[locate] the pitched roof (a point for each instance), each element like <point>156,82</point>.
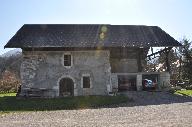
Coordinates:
<point>90,35</point>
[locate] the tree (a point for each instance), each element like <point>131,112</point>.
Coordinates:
<point>11,63</point>
<point>186,53</point>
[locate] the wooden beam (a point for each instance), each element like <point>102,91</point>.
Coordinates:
<point>159,52</point>
<point>140,68</point>
<point>167,61</point>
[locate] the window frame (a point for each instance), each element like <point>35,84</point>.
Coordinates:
<point>63,59</point>
<point>86,75</point>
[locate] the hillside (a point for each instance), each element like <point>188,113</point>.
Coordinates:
<point>11,53</point>
<point>10,61</point>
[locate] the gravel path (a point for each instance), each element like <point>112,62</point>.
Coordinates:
<point>167,110</point>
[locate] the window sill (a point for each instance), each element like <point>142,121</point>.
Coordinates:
<point>68,67</point>
<point>86,88</point>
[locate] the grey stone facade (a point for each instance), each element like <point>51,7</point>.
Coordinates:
<point>44,69</point>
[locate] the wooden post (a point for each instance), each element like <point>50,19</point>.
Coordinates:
<point>167,61</point>
<point>140,68</point>
<point>154,66</point>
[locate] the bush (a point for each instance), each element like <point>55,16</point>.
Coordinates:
<point>173,89</point>
<point>8,86</point>
<point>9,82</point>
<point>189,87</point>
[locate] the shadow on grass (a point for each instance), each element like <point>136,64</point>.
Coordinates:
<point>126,99</point>
<point>144,98</point>
<point>10,103</point>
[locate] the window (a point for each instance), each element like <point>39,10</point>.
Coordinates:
<point>86,82</point>
<point>67,60</point>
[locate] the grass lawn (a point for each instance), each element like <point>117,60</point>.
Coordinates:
<point>8,102</point>
<point>184,92</point>
<point>7,94</point>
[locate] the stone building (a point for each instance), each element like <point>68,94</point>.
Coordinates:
<point>74,60</point>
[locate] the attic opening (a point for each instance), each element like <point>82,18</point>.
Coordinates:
<point>67,59</point>
<point>153,55</point>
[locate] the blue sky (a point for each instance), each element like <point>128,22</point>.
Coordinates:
<point>173,16</point>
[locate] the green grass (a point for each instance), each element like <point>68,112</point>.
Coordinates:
<point>184,92</point>
<point>7,94</point>
<point>8,102</point>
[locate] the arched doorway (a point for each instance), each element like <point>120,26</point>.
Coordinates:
<point>66,87</point>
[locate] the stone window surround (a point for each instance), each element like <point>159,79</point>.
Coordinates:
<point>67,53</point>
<point>87,75</point>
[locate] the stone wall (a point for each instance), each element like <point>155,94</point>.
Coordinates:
<point>114,81</point>
<point>44,69</point>
<point>139,82</point>
<point>164,79</point>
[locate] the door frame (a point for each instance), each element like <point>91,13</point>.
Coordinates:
<point>74,84</point>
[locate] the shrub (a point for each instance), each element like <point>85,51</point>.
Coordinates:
<point>189,87</point>
<point>9,82</point>
<point>9,86</point>
<point>173,89</point>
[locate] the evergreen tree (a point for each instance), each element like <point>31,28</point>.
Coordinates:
<point>186,52</point>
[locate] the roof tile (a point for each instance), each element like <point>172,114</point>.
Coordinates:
<point>88,35</point>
